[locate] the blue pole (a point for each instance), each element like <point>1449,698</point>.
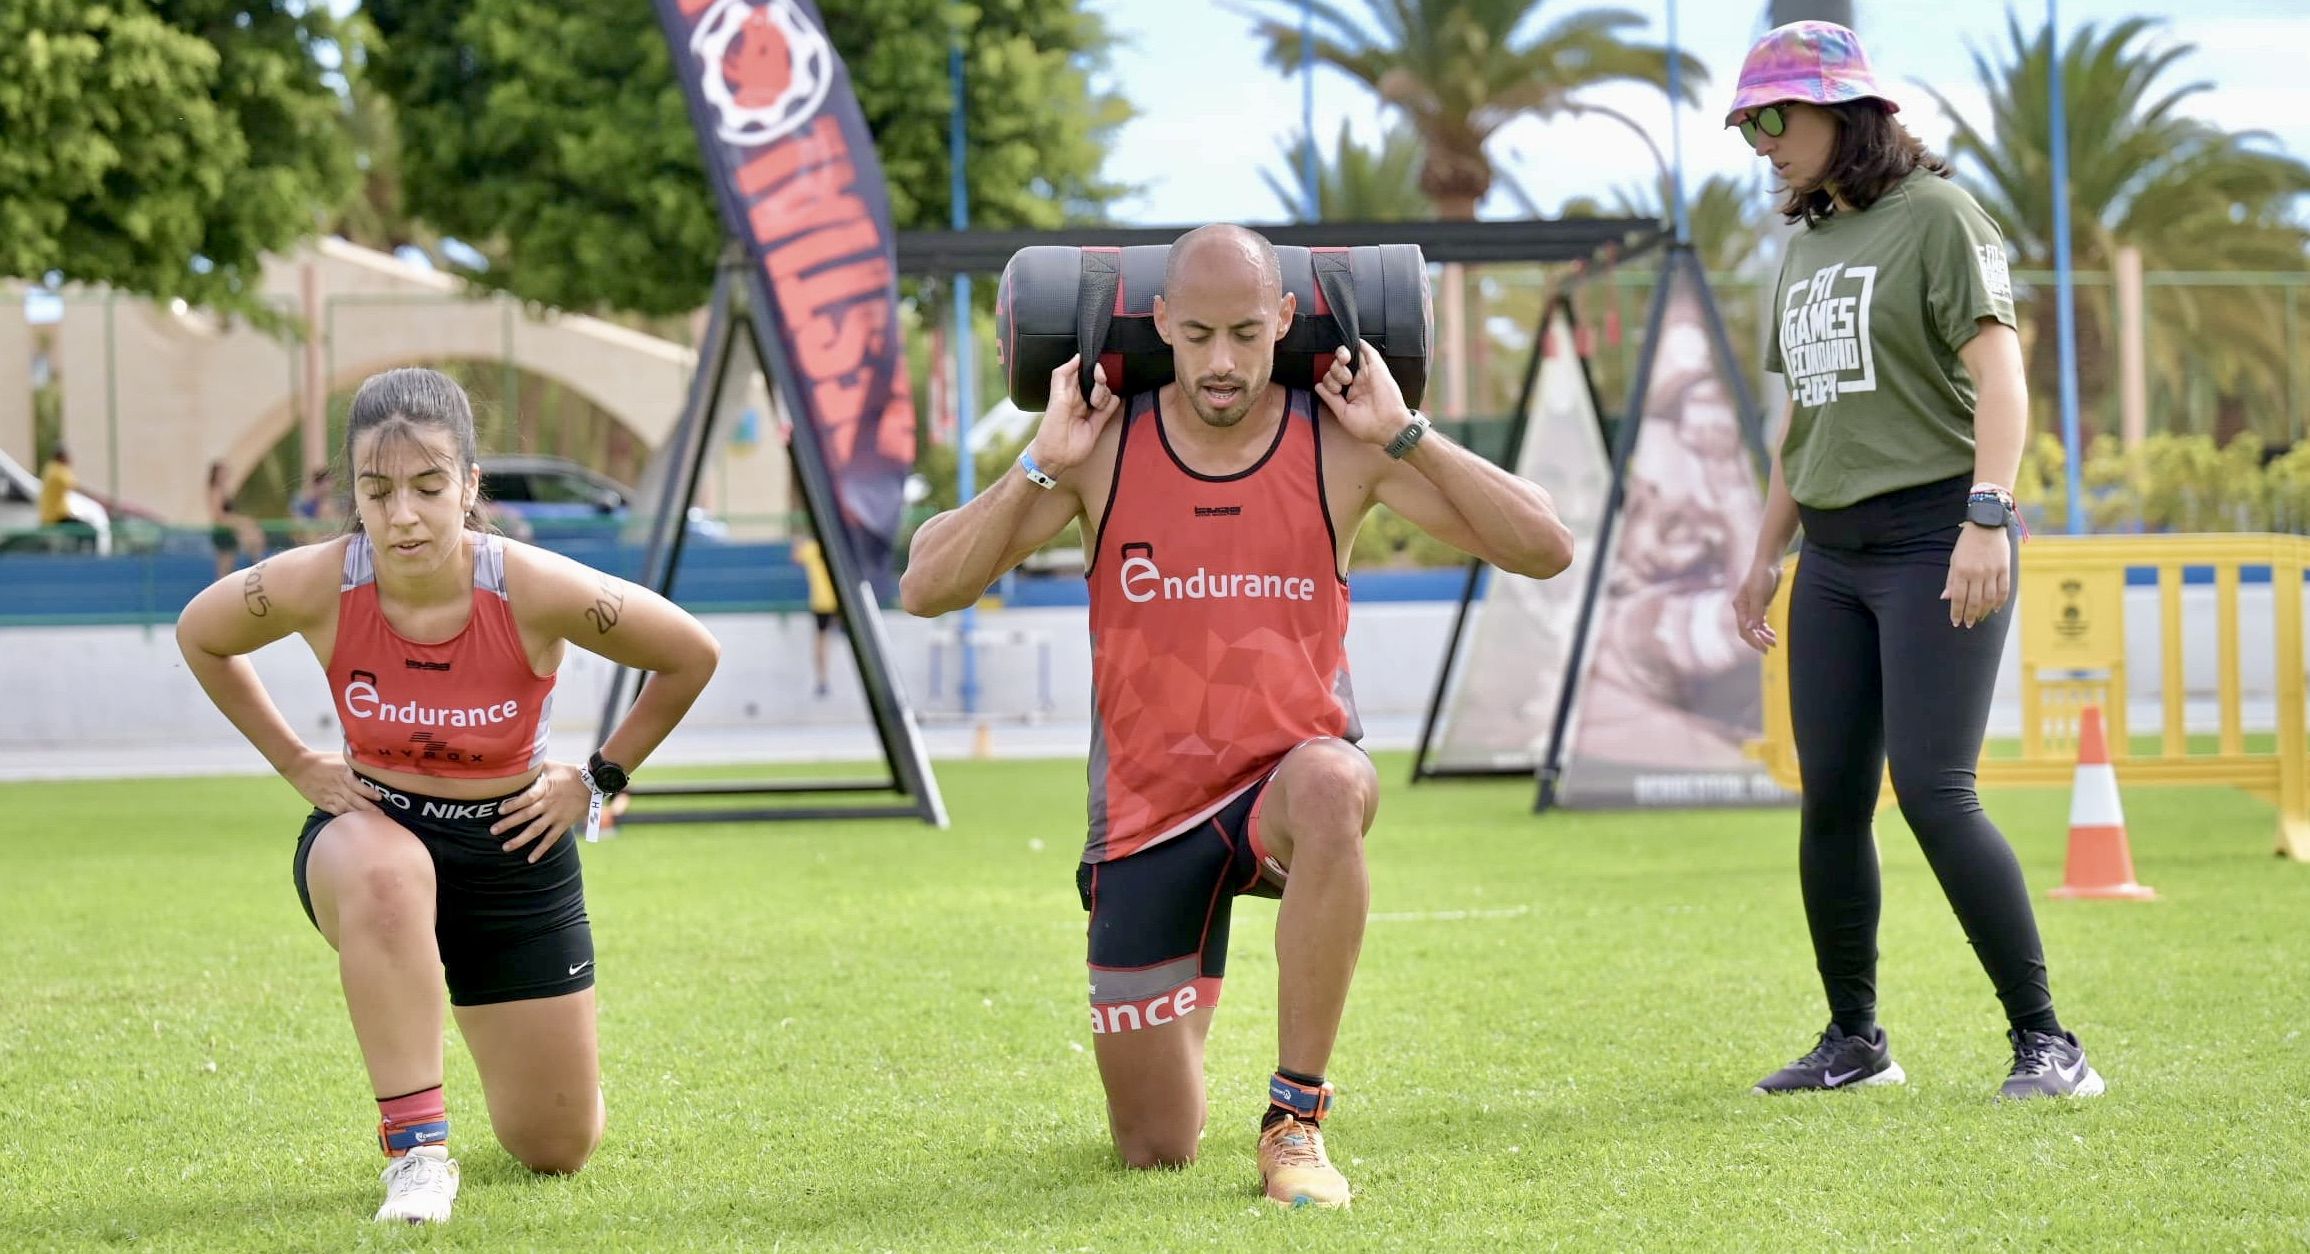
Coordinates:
<point>1676,136</point>
<point>965,463</point>
<point>1309,173</point>
<point>2065,292</point>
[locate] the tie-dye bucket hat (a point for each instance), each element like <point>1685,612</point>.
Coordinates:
<point>1816,62</point>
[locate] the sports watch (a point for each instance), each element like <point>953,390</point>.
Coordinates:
<point>1988,507</point>
<point>609,778</point>
<point>1409,436</point>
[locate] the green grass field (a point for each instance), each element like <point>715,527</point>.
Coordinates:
<point>874,1036</point>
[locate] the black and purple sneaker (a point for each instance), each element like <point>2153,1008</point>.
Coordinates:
<point>1838,1061</point>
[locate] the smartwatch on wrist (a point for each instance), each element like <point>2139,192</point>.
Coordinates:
<point>1408,437</point>
<point>1988,509</point>
<point>609,778</point>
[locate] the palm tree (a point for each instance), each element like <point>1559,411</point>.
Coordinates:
<point>1729,224</point>
<point>1458,71</point>
<point>1727,215</point>
<point>2186,193</point>
<point>1357,184</point>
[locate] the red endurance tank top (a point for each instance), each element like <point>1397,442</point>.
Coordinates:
<point>1218,629</point>
<point>467,708</point>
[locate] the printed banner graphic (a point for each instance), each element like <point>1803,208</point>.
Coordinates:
<point>1671,697</point>
<point>795,172</point>
<point>1508,677</point>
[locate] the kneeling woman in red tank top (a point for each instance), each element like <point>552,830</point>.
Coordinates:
<point>436,850</point>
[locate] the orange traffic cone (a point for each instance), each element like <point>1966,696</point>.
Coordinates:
<point>2100,864</point>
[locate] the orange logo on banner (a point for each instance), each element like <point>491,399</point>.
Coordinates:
<point>803,189</point>
<point>759,63</point>
<point>765,69</point>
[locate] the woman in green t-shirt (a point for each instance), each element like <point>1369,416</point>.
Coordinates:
<point>1907,412</point>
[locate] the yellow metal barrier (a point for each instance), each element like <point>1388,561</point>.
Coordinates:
<point>2073,654</point>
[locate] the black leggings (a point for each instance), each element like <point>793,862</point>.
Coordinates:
<point>1877,675</point>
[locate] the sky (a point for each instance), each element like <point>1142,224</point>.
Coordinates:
<point>1213,115</point>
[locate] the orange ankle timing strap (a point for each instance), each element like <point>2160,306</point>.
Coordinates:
<point>1308,1102</point>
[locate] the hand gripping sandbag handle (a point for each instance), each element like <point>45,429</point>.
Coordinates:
<point>1102,274</point>
<point>1095,312</point>
<point>1054,299</point>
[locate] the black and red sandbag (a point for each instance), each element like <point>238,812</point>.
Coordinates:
<point>1053,299</point>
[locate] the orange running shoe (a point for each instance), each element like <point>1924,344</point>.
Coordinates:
<point>1293,1166</point>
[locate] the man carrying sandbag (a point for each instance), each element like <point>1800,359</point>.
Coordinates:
<point>1219,511</point>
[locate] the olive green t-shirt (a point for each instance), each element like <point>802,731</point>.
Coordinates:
<point>1873,308</point>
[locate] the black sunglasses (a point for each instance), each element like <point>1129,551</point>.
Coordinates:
<point>1770,120</point>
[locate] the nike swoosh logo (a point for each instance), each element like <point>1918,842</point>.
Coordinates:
<point>1833,1079</point>
<point>581,966</point>
<point>2069,1075</point>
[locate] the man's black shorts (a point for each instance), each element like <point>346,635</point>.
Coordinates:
<point>1159,916</point>
<point>509,929</point>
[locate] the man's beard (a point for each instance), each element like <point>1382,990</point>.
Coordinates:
<point>1252,389</point>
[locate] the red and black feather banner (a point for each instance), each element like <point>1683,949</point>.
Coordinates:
<point>795,173</point>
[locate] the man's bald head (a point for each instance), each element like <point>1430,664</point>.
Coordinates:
<point>1219,248</point>
<point>1221,310</point>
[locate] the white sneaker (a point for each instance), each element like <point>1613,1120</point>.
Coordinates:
<point>419,1186</point>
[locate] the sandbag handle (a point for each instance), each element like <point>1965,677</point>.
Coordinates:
<point>1335,278</point>
<point>1102,274</point>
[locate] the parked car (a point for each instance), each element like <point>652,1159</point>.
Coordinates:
<point>20,529</point>
<point>556,498</point>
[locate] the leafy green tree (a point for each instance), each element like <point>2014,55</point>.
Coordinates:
<point>1035,129</point>
<point>377,214</point>
<point>1459,70</point>
<point>1355,184</point>
<point>2171,482</point>
<point>2188,194</point>
<point>2287,480</point>
<point>557,142</point>
<point>164,146</point>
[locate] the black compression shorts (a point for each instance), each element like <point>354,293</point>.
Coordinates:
<point>509,929</point>
<point>1158,931</point>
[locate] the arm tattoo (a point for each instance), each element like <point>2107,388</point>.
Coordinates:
<point>604,610</point>
<point>253,592</point>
